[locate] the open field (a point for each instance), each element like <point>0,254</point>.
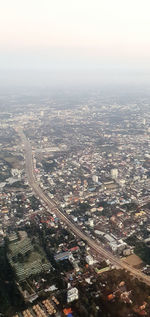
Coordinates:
<point>11,160</point>
<point>133,260</point>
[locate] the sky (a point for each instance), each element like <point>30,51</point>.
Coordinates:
<point>75,39</point>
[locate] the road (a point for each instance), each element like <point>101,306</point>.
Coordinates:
<point>74,228</point>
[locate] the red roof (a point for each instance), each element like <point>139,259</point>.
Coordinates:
<point>67,311</point>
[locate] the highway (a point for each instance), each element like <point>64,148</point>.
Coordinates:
<point>52,206</point>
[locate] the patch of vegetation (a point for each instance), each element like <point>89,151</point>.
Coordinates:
<point>34,202</point>
<point>140,248</point>
<point>10,297</point>
<point>49,165</point>
<point>17,184</point>
<point>143,251</point>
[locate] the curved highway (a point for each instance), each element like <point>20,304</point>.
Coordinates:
<point>53,207</point>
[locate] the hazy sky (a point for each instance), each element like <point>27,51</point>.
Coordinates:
<point>109,36</point>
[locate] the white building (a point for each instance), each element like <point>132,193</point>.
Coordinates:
<point>72,295</point>
<point>91,222</point>
<point>114,173</point>
<point>144,121</point>
<point>15,172</point>
<point>89,260</point>
<point>95,178</point>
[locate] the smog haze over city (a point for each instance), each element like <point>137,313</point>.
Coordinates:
<point>54,43</point>
<point>75,158</point>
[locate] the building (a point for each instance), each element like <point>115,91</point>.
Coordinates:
<point>62,256</point>
<point>126,252</point>
<point>114,173</point>
<point>72,295</point>
<point>95,178</point>
<point>144,121</point>
<point>91,222</point>
<point>89,260</point>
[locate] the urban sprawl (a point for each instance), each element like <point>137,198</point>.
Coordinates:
<point>75,224</point>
